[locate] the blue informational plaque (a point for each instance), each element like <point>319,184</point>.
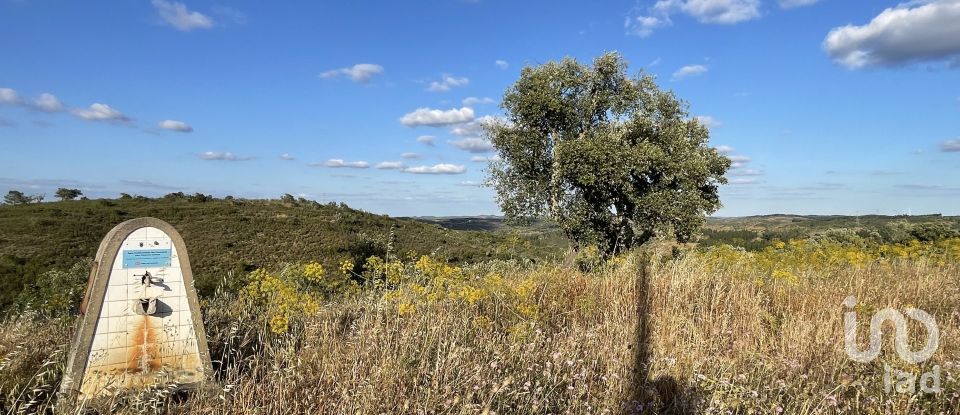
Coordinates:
<point>147,258</point>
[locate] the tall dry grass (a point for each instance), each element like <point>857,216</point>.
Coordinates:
<point>680,336</point>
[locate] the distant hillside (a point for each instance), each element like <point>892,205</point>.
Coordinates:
<point>755,232</point>
<point>485,223</point>
<point>236,235</point>
<point>750,232</point>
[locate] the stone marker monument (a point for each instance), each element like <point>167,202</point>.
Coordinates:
<point>141,322</point>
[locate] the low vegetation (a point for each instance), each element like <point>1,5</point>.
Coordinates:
<point>713,330</point>
<point>231,237</point>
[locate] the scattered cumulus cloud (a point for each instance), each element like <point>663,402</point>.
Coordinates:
<point>642,22</point>
<point>179,17</point>
<point>502,64</point>
<point>360,73</point>
<point>737,162</point>
<point>950,146</point>
<point>287,157</point>
<point>473,145</point>
<point>45,102</point>
<point>9,97</point>
<point>442,168</point>
<point>912,32</point>
<point>446,83</point>
<point>709,121</point>
<point>100,112</point>
<point>48,102</point>
<point>411,156</point>
<point>340,163</point>
<point>746,172</point>
<point>427,139</point>
<point>739,167</point>
<point>644,26</point>
<point>688,71</point>
<point>173,125</point>
<point>714,11</point>
<point>484,159</point>
<point>390,165</point>
<point>474,101</point>
<point>473,128</point>
<point>437,118</point>
<point>222,156</point>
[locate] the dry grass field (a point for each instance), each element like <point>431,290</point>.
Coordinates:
<point>712,331</point>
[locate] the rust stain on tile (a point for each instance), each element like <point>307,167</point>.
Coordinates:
<point>142,354</point>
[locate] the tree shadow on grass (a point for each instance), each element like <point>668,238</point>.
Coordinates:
<point>664,394</point>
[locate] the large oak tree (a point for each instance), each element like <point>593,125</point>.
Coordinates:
<point>613,159</point>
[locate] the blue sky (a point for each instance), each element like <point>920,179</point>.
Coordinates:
<point>827,107</point>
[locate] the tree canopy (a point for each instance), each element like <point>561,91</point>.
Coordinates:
<point>68,194</point>
<point>614,160</point>
<point>16,197</point>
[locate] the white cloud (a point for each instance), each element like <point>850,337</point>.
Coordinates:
<point>790,4</point>
<point>287,157</point>
<point>473,145</point>
<point>9,97</point>
<point>100,112</point>
<point>473,128</point>
<point>361,72</point>
<point>446,83</point>
<point>484,159</point>
<point>738,166</point>
<point>222,156</point>
<point>643,26</point>
<point>738,162</point>
<point>470,183</point>
<point>709,121</point>
<point>411,156</point>
<point>437,118</point>
<point>390,165</point>
<point>426,139</point>
<point>441,168</point>
<point>474,101</point>
<point>950,146</point>
<point>48,102</point>
<point>177,15</point>
<point>178,126</point>
<point>917,31</point>
<point>719,11</point>
<point>689,70</point>
<point>44,102</point>
<point>643,22</point>
<point>339,163</point>
<point>502,64</point>
<point>747,172</point>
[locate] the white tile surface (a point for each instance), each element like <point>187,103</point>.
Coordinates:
<point>118,328</point>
